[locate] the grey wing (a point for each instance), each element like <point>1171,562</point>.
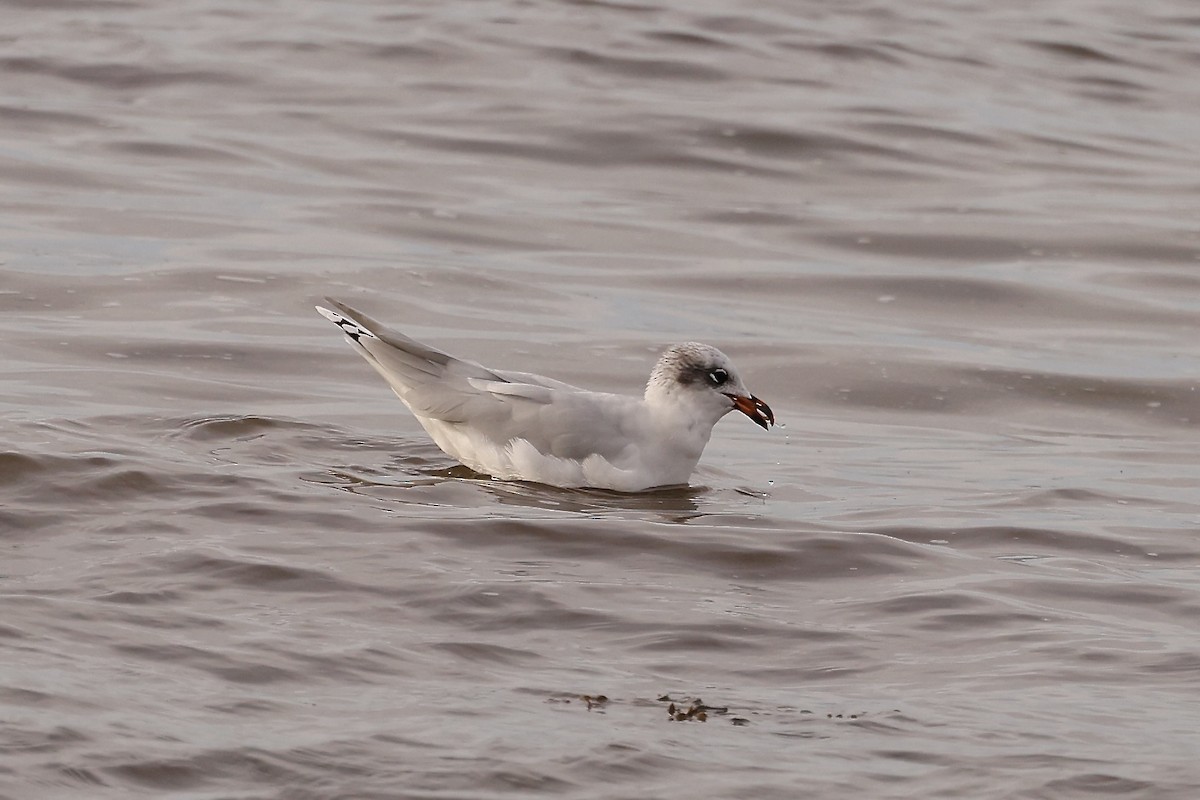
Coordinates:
<point>555,417</point>
<point>432,383</point>
<point>536,380</point>
<point>573,424</point>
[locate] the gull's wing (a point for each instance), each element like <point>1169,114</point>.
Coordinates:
<point>536,380</point>
<point>432,383</point>
<point>556,418</point>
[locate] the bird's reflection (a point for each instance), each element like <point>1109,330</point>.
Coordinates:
<point>407,480</point>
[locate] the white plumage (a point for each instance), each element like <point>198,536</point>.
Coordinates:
<point>520,426</point>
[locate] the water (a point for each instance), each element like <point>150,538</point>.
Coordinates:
<point>954,247</point>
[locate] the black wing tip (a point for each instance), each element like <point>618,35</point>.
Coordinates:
<point>349,327</point>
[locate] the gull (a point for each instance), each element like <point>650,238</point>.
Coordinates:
<point>521,426</point>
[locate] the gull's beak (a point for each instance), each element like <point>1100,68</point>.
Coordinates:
<point>753,408</point>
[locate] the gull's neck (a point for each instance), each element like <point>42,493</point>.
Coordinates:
<point>681,410</point>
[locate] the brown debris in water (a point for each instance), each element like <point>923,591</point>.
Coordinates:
<point>594,701</point>
<point>684,709</point>
<point>693,711</point>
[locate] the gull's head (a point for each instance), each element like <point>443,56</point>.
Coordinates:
<point>702,380</point>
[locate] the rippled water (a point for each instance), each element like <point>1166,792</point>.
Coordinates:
<point>955,246</point>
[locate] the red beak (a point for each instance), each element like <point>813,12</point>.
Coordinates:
<point>755,409</point>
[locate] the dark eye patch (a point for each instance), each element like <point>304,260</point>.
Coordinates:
<point>718,377</point>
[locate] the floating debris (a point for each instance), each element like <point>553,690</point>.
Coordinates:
<point>594,701</point>
<point>690,711</point>
<point>831,715</point>
<point>590,700</point>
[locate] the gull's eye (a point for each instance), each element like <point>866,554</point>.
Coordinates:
<point>718,377</point>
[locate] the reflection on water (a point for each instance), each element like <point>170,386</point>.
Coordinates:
<point>676,504</point>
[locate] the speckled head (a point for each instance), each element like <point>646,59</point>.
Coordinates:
<point>703,376</point>
<point>690,363</point>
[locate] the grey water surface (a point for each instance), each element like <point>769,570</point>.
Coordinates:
<point>956,246</point>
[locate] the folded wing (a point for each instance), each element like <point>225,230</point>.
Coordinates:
<point>499,405</point>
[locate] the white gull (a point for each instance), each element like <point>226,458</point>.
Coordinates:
<point>520,426</point>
